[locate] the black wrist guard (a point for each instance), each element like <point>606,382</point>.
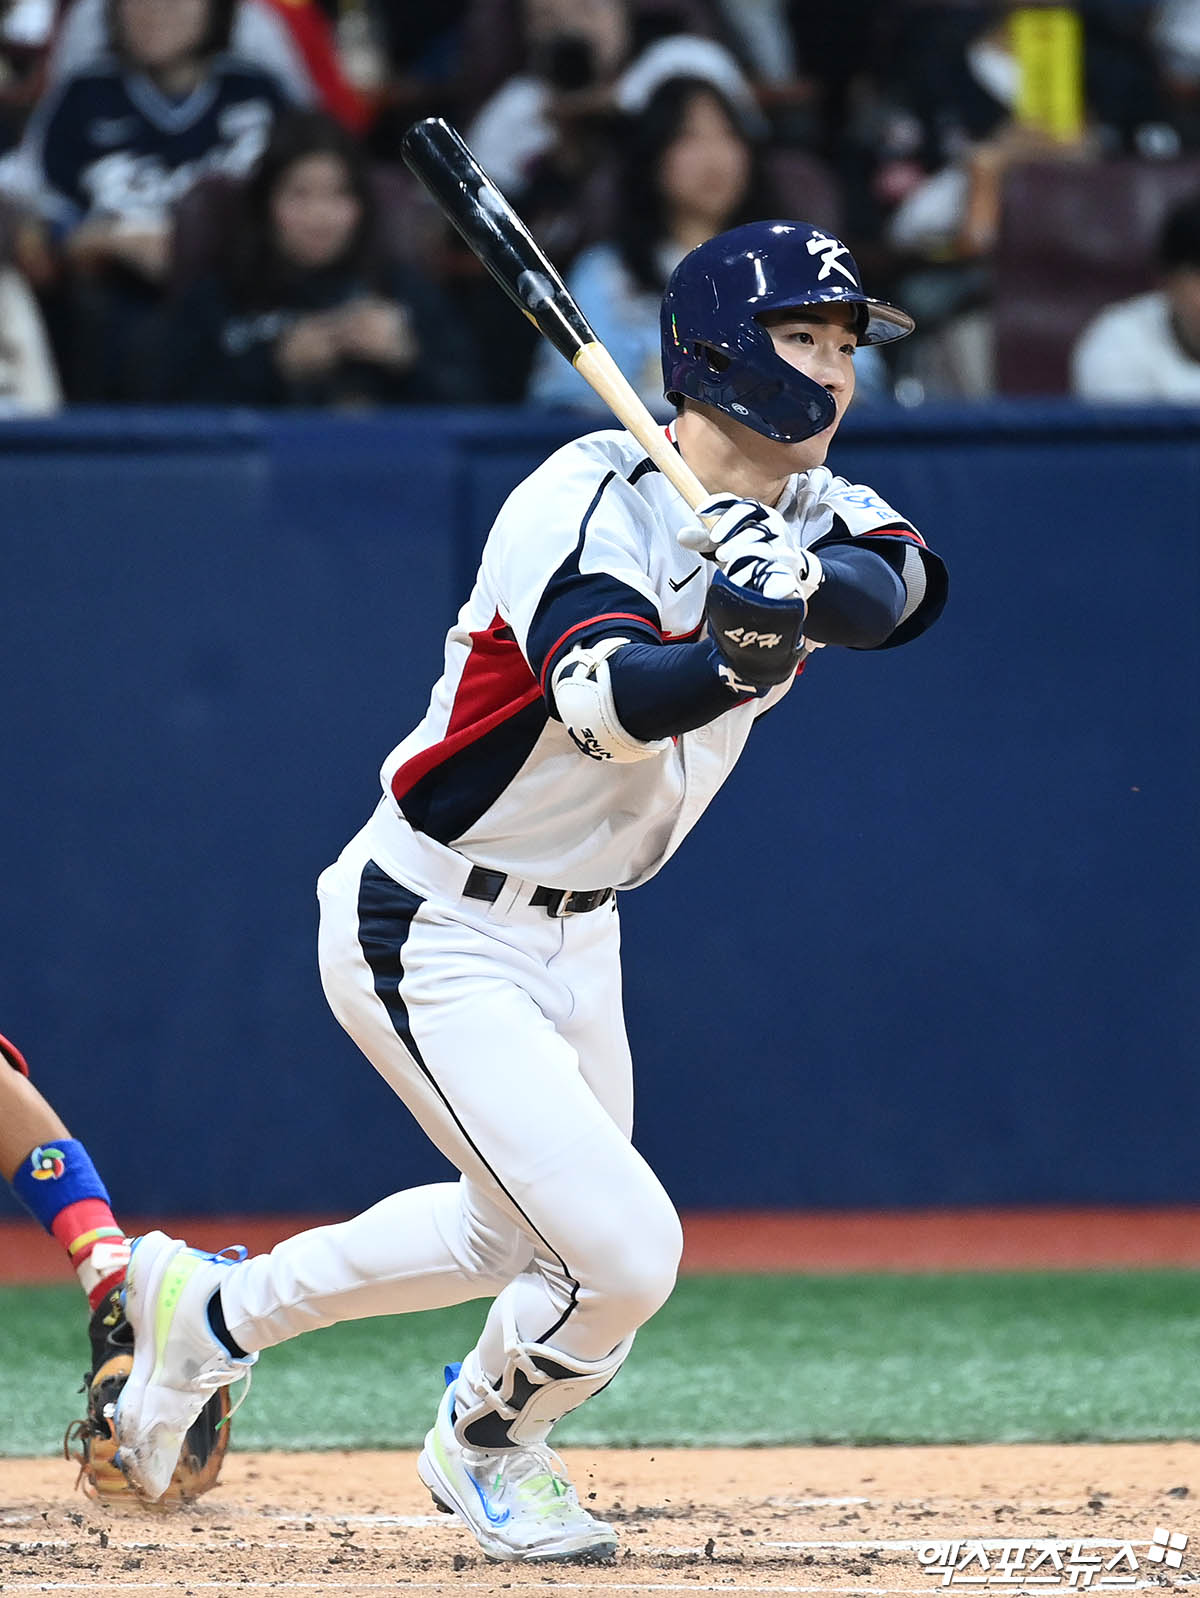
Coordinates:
<point>760,638</point>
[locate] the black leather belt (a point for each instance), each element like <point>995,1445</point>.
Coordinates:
<point>488,886</point>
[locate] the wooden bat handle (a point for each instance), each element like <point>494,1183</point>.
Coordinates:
<point>593,362</point>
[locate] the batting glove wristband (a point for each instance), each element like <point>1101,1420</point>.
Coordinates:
<point>758,639</point>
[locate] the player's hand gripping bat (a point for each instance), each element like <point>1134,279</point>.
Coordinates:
<point>444,164</point>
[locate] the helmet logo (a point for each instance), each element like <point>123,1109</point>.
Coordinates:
<point>829,250</point>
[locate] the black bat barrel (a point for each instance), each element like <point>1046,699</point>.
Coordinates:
<point>439,157</point>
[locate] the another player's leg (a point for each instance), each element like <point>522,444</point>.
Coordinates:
<point>51,1173</point>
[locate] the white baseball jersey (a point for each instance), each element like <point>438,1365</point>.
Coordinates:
<point>590,536</point>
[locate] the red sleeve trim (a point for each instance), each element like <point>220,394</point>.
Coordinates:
<point>616,615</point>
<point>909,534</point>
<point>11,1053</point>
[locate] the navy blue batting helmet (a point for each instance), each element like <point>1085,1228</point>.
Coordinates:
<point>716,350</point>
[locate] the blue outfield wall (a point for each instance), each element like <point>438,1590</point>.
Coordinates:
<point>936,942</point>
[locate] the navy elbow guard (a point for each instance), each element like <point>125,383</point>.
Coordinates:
<point>759,639</point>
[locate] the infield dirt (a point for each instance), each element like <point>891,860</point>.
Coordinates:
<point>771,1520</point>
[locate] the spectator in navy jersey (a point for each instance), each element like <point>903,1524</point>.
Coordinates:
<point>291,39</point>
<point>115,145</point>
<point>307,312</point>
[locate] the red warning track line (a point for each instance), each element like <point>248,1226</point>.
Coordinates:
<point>861,1240</point>
<point>943,1240</point>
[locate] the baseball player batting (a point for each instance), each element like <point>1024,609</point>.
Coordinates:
<point>599,685</point>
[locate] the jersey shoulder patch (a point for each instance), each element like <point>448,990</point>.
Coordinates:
<point>861,510</point>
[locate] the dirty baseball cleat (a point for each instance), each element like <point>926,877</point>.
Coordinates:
<point>90,1442</point>
<point>517,1502</point>
<point>178,1361</point>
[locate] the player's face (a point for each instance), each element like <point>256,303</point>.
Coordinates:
<point>315,211</point>
<point>819,341</point>
<point>161,33</point>
<point>705,169</point>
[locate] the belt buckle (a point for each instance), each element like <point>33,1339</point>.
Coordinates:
<point>560,906</point>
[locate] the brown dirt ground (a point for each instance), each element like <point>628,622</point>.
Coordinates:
<point>760,1520</point>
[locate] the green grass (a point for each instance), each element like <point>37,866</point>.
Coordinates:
<point>1038,1357</point>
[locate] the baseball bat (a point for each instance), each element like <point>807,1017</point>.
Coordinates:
<point>439,157</point>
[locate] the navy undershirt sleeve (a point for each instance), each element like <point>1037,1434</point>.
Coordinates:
<point>860,601</point>
<point>661,690</point>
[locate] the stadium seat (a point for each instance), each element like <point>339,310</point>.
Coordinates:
<point>203,230</point>
<point>1074,238</point>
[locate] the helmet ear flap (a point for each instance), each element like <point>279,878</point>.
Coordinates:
<point>709,365</point>
<point>754,385</point>
<point>716,360</point>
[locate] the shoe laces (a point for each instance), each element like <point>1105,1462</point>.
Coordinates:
<point>536,1472</point>
<point>243,1388</point>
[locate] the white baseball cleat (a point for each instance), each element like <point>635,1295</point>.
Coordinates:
<point>178,1363</point>
<point>517,1502</point>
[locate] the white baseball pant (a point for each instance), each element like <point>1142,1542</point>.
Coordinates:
<point>501,1029</point>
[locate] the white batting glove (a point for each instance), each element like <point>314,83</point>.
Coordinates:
<point>813,488</point>
<point>753,546</point>
<point>720,514</point>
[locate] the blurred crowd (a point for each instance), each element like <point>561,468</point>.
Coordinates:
<point>203,201</point>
